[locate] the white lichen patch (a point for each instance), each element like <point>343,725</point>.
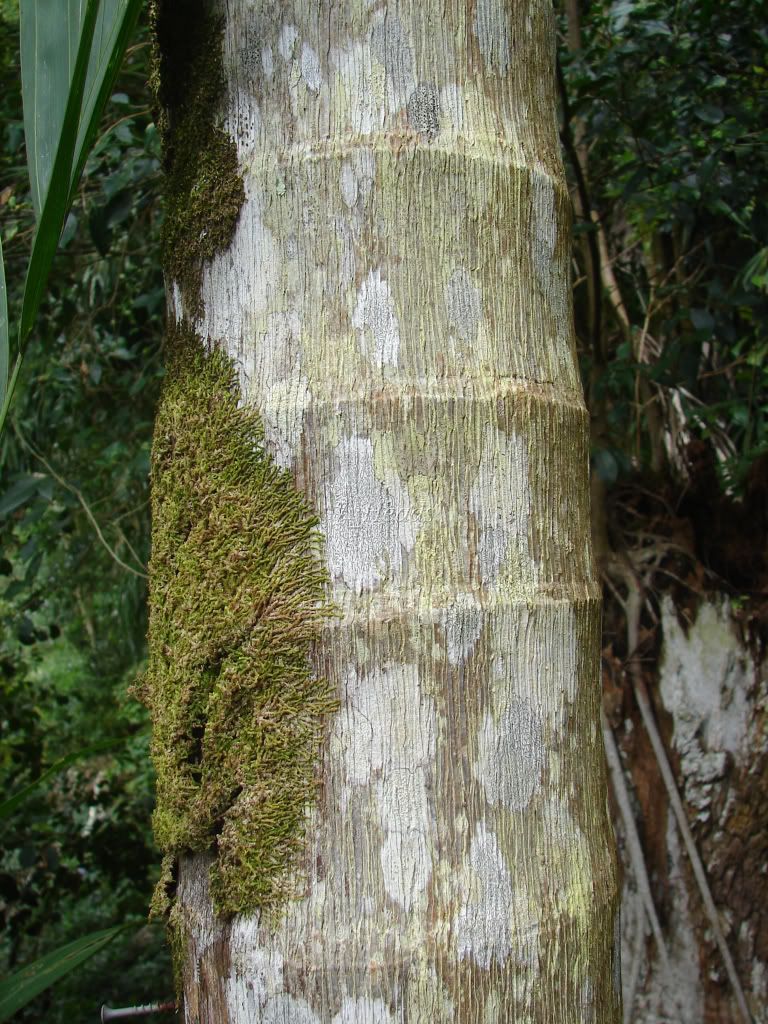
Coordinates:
<point>405,818</point>
<point>248,296</point>
<point>356,177</point>
<point>385,737</point>
<point>282,409</point>
<point>390,46</point>
<point>310,68</point>
<point>462,623</point>
<point>256,973</point>
<point>494,921</point>
<point>536,652</point>
<point>348,184</point>
<point>287,40</point>
<point>705,681</point>
<point>267,62</point>
<point>177,303</point>
<point>370,526</point>
<point>363,1010</point>
<point>705,678</point>
<point>243,121</point>
<point>375,320</point>
<point>276,383</point>
<point>386,724</point>
<point>278,351</point>
<point>254,989</point>
<point>363,102</point>
<point>491,27</point>
<point>510,755</point>
<point>464,304</point>
<point>287,1009</point>
<point>500,500</point>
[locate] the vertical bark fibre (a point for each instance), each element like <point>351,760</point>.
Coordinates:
<point>396,299</point>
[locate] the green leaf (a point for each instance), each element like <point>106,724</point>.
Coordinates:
<point>8,806</point>
<point>51,35</point>
<point>621,10</point>
<point>702,320</point>
<point>709,113</point>
<point>50,188</point>
<point>69,61</point>
<point>117,20</point>
<point>22,987</point>
<point>20,491</point>
<point>4,346</point>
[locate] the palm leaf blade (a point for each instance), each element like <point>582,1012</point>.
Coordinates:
<point>55,193</point>
<point>22,987</point>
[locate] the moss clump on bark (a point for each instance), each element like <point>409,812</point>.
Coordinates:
<point>237,597</point>
<point>204,187</point>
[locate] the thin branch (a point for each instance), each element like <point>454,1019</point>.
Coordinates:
<point>634,846</point>
<point>85,506</point>
<point>634,967</point>
<point>121,534</point>
<point>634,605</point>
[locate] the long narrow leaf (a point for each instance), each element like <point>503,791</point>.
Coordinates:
<point>4,346</point>
<point>71,51</point>
<point>56,198</point>
<point>21,988</point>
<point>50,34</point>
<point>12,802</point>
<point>117,20</point>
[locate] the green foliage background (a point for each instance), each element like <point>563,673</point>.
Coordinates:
<point>79,855</point>
<point>669,101</point>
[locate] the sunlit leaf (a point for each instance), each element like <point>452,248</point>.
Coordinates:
<point>22,987</point>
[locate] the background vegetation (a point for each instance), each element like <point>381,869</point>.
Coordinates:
<point>664,114</point>
<point>79,856</point>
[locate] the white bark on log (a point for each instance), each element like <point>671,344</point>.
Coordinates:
<point>397,299</point>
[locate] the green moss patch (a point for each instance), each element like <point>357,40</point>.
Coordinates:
<point>237,598</point>
<point>204,187</point>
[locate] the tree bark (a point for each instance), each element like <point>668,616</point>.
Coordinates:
<point>396,299</point>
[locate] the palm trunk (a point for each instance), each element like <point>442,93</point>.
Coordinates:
<point>396,298</point>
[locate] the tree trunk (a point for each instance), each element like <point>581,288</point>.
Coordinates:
<point>395,296</point>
